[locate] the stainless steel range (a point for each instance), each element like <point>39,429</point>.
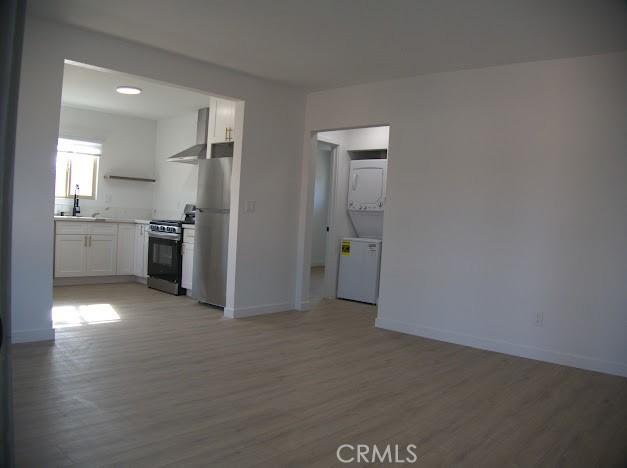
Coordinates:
<point>165,262</point>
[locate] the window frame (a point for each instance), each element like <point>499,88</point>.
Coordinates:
<point>68,171</point>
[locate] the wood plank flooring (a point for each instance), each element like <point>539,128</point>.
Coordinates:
<point>316,283</point>
<point>173,383</point>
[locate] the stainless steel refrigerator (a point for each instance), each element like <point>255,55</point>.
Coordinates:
<point>213,204</point>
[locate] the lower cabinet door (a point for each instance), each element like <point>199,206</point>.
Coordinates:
<point>69,255</point>
<point>145,265</point>
<point>126,249</point>
<point>139,256</point>
<point>101,255</point>
<point>188,265</point>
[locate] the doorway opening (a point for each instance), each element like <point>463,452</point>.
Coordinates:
<point>346,223</point>
<point>131,201</point>
<point>324,160</point>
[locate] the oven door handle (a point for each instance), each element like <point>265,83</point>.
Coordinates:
<point>164,235</point>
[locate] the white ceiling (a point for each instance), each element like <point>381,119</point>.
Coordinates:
<point>330,43</point>
<point>91,88</point>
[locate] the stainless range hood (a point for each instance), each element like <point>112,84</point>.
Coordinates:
<point>192,154</point>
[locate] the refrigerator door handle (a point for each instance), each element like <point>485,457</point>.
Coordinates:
<point>214,210</point>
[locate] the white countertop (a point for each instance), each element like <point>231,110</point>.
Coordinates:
<point>100,220</point>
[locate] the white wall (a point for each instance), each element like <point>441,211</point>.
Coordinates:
<point>506,202</point>
<point>128,150</point>
<point>268,152</point>
<point>32,243</point>
<point>366,138</point>
<point>176,182</point>
<point>321,206</point>
<point>136,147</point>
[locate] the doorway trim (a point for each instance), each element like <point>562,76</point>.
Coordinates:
<point>329,288</point>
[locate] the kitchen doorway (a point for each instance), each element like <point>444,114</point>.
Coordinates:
<point>132,156</point>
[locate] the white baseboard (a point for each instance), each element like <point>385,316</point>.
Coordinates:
<point>251,311</point>
<point>304,305</point>
<point>540,354</point>
<point>308,304</point>
<point>80,280</point>
<point>29,336</point>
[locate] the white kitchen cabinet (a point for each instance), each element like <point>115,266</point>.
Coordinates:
<point>70,250</point>
<point>71,227</point>
<point>84,248</point>
<point>88,248</point>
<point>100,259</point>
<point>145,272</point>
<point>126,249</point>
<point>140,257</point>
<point>105,229</point>
<point>221,121</point>
<point>188,265</point>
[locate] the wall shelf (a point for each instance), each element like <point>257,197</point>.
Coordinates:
<point>136,179</point>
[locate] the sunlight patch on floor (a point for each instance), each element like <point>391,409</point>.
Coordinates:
<point>88,314</point>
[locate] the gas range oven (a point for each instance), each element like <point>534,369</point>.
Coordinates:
<point>165,262</point>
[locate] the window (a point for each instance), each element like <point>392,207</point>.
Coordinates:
<point>77,166</point>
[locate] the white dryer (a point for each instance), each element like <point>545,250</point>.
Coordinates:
<point>366,196</point>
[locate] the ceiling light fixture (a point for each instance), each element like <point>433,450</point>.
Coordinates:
<point>128,90</point>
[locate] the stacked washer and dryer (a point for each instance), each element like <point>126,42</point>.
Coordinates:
<point>360,257</point>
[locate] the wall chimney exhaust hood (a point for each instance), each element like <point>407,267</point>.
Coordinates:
<point>192,154</point>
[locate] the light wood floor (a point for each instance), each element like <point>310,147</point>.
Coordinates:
<point>174,383</point>
<point>316,283</point>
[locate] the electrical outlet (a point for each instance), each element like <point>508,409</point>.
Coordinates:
<point>250,206</point>
<point>539,318</point>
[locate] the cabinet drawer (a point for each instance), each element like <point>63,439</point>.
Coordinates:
<point>188,235</point>
<point>104,229</point>
<point>71,227</point>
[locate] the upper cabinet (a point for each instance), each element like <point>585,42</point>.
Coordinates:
<point>221,121</point>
